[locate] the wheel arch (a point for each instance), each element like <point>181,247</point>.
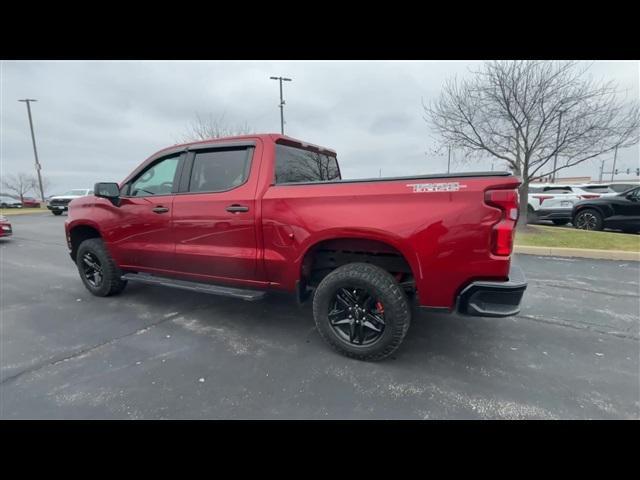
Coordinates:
<point>79,233</point>
<point>603,210</point>
<point>333,251</point>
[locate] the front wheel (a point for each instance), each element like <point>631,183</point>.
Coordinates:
<point>98,271</point>
<point>361,311</point>
<point>588,219</point>
<point>56,212</point>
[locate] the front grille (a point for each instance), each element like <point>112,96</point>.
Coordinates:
<point>60,201</point>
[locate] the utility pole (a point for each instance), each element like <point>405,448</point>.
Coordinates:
<point>449,160</point>
<point>281,79</point>
<point>33,140</point>
<point>555,158</point>
<point>601,170</point>
<point>615,155</point>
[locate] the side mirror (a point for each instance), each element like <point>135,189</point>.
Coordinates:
<point>108,190</point>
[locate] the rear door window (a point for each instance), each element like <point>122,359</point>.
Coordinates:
<point>220,170</point>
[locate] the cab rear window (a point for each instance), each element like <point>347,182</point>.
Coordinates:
<point>296,165</point>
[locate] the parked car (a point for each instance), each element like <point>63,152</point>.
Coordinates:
<point>620,187</point>
<point>593,190</point>
<point>29,202</point>
<point>619,212</point>
<point>551,202</point>
<point>60,203</point>
<point>8,202</point>
<point>5,227</point>
<point>244,215</point>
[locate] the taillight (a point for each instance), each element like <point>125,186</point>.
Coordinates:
<point>502,236</point>
<point>542,198</point>
<point>587,197</point>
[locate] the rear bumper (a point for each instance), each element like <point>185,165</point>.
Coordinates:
<point>554,214</point>
<point>493,299</point>
<point>5,230</point>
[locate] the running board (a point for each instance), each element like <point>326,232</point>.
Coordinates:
<point>242,293</point>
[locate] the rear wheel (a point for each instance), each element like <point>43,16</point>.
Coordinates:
<point>361,311</point>
<point>560,222</point>
<point>98,271</point>
<point>588,219</point>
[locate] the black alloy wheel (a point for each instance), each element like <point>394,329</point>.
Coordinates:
<point>356,316</point>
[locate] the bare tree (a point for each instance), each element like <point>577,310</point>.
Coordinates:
<point>19,184</point>
<point>205,128</point>
<point>538,117</point>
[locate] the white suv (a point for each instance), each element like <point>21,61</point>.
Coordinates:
<point>551,202</point>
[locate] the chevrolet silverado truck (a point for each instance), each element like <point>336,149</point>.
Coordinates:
<point>60,203</point>
<point>242,216</point>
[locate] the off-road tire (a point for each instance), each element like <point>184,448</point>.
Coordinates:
<point>112,282</point>
<point>397,311</point>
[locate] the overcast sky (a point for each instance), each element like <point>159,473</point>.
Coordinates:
<point>97,120</point>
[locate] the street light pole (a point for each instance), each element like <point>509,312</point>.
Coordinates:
<point>615,156</point>
<point>33,140</point>
<point>281,79</point>
<point>449,160</point>
<point>555,158</point>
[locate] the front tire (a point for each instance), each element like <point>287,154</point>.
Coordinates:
<point>588,219</point>
<point>56,212</point>
<point>99,273</point>
<point>361,311</point>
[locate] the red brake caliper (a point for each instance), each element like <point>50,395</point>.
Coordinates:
<point>380,307</point>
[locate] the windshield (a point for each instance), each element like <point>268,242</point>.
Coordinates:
<point>74,192</point>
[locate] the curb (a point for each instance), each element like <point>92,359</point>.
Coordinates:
<point>18,213</point>
<point>578,252</point>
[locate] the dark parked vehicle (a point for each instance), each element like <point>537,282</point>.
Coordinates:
<point>618,212</point>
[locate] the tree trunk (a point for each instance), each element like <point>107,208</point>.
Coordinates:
<point>524,203</point>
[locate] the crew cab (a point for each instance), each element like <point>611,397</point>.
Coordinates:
<point>242,216</point>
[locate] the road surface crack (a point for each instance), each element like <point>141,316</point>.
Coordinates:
<point>594,327</point>
<point>79,353</point>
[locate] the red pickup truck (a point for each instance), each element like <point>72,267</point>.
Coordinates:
<point>240,216</point>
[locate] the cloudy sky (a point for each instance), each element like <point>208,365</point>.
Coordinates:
<point>97,120</point>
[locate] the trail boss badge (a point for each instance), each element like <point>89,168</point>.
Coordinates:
<point>436,187</point>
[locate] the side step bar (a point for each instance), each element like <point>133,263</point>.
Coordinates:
<point>242,293</point>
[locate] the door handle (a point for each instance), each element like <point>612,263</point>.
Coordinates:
<point>235,208</point>
<point>160,210</point>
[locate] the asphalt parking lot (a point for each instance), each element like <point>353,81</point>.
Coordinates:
<point>158,353</point>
